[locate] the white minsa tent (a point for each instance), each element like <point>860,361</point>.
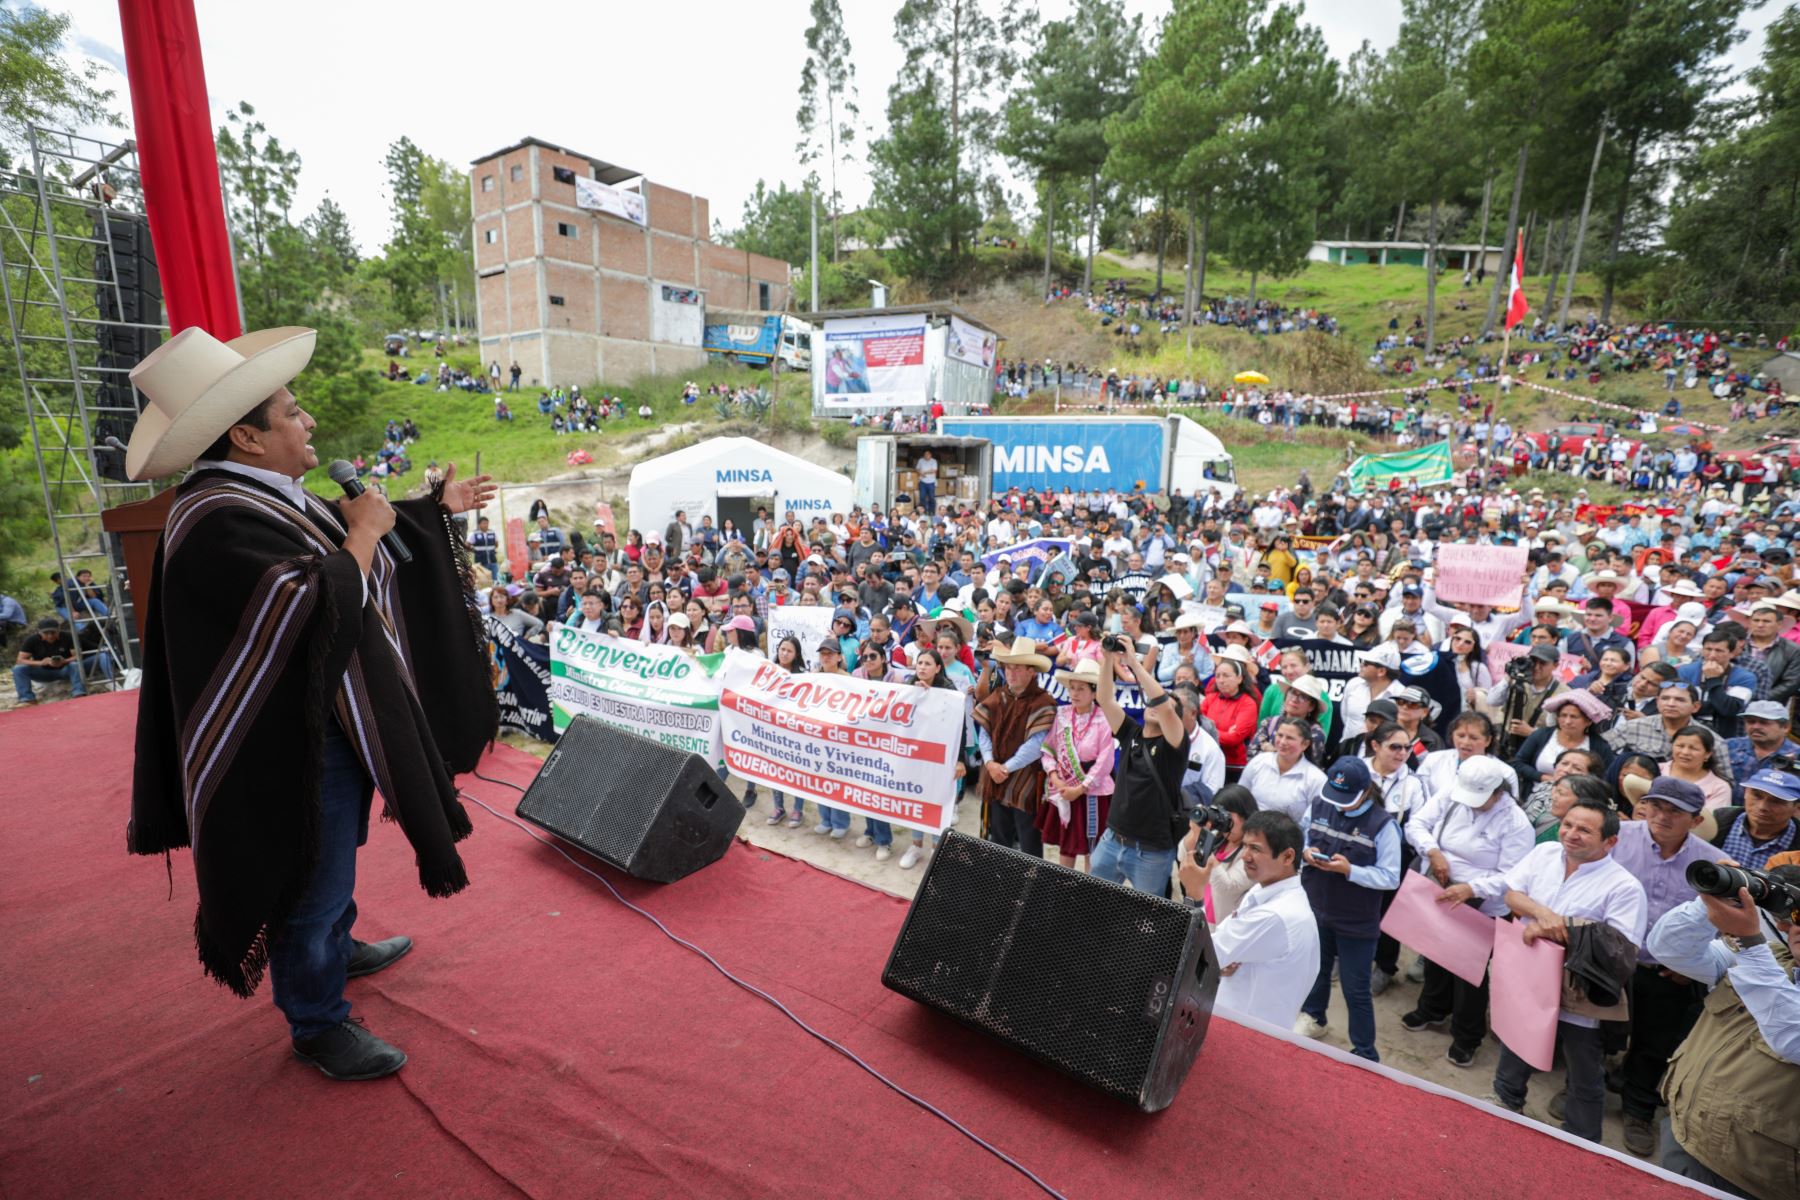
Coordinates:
<point>730,478</point>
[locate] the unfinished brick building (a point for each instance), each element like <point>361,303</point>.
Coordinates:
<point>607,286</point>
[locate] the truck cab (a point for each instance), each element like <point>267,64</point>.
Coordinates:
<point>796,344</point>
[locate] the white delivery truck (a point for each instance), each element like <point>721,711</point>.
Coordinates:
<point>887,469</point>
<point>1094,453</point>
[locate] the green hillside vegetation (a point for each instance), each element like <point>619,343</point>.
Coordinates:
<point>454,425</point>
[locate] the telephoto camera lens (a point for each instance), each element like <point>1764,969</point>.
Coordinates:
<point>1716,879</point>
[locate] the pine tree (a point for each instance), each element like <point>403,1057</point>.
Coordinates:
<point>829,76</point>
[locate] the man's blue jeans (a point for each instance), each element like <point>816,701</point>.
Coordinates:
<point>928,497</point>
<point>24,677</point>
<point>1354,957</point>
<point>1146,870</point>
<point>307,956</point>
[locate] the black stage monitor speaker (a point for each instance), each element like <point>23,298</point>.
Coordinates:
<point>1112,986</point>
<point>650,810</point>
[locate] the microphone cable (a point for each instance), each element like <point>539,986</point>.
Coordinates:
<point>783,1009</point>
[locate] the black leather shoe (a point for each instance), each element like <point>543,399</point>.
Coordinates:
<point>366,958</point>
<point>349,1052</point>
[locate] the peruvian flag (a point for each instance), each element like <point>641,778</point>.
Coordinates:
<point>1516,304</point>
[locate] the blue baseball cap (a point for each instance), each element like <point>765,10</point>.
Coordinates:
<point>1346,782</point>
<point>1782,785</point>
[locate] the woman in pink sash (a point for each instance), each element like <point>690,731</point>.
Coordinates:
<point>1078,768</point>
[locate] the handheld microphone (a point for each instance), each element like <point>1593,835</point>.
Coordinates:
<point>344,475</point>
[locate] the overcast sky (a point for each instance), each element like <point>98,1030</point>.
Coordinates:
<point>699,95</point>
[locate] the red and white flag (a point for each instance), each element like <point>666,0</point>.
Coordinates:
<point>1516,304</point>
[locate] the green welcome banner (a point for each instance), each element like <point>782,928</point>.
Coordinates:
<point>1423,465</point>
<point>658,692</point>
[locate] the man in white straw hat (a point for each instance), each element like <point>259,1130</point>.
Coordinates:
<point>1012,722</point>
<point>281,683</point>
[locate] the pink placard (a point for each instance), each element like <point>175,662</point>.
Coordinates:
<point>1501,653</point>
<point>1526,993</point>
<point>1490,575</point>
<point>1454,936</point>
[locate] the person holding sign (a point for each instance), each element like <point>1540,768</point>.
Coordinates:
<point>1574,877</point>
<point>931,670</point>
<point>1078,768</point>
<point>1470,831</point>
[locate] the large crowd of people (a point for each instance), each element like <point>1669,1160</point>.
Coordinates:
<point>1181,652</point>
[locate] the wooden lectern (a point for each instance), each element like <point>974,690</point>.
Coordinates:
<point>137,526</point>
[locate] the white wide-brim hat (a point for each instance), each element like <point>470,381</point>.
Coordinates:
<point>199,387</point>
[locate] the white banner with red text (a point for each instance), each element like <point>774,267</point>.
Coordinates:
<point>885,750</point>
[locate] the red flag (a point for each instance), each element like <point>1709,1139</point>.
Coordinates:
<point>1516,304</point>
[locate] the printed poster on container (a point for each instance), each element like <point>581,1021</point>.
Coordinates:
<point>884,750</point>
<point>971,345</point>
<point>654,691</point>
<point>874,362</point>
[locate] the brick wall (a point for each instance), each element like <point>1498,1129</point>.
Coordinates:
<point>548,188</point>
<point>487,255</point>
<point>672,259</point>
<point>621,246</point>
<point>670,211</point>
<point>520,237</point>
<point>624,308</point>
<point>576,287</point>
<point>524,288</point>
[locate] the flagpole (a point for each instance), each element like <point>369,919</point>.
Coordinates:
<point>1516,280</point>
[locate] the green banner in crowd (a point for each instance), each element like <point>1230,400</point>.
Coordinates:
<point>655,691</point>
<point>1423,465</point>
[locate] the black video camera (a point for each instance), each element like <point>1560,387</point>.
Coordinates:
<point>1772,895</point>
<point>1215,827</point>
<point>1115,643</point>
<point>1518,670</point>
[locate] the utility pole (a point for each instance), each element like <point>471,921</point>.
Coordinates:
<point>812,272</point>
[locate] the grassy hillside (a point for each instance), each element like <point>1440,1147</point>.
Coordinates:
<point>455,425</point>
<point>1363,299</point>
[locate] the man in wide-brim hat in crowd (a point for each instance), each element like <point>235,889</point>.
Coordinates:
<point>291,664</point>
<point>1011,723</point>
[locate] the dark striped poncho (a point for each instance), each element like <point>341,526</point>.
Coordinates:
<point>256,635</point>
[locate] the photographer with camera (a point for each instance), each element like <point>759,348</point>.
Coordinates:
<point>1517,703</point>
<point>1733,1087</point>
<point>1268,948</point>
<point>1146,820</point>
<point>1209,864</point>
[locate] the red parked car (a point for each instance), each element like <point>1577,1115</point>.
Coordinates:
<point>1573,438</point>
<point>1785,450</point>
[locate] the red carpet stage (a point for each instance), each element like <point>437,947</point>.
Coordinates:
<point>561,1046</point>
